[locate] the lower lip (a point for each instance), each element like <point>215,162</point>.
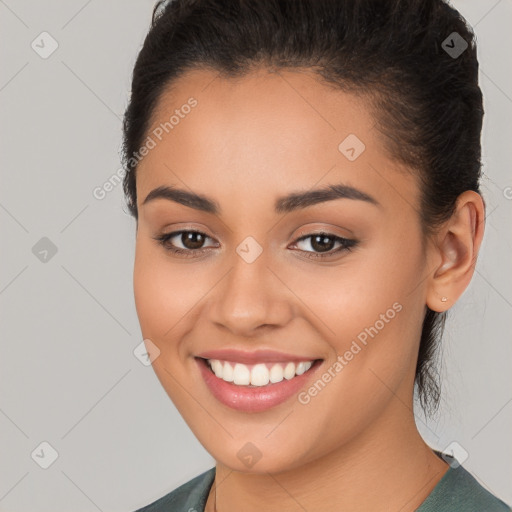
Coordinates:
<point>253,399</point>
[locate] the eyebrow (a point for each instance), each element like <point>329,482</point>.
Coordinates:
<point>285,204</point>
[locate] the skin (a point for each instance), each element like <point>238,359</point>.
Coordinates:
<point>248,141</point>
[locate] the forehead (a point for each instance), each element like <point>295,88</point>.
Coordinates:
<point>266,102</point>
<point>259,132</point>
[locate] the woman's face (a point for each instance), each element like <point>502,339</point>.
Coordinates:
<point>252,281</point>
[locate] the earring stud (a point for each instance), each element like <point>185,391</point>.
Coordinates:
<point>444,299</point>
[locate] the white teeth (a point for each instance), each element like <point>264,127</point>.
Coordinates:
<point>301,368</point>
<point>276,373</point>
<point>227,372</point>
<point>241,375</point>
<point>289,371</point>
<point>217,367</point>
<point>259,374</point>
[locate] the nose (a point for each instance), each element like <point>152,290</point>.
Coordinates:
<point>250,298</point>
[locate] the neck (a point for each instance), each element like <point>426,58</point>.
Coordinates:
<point>386,467</point>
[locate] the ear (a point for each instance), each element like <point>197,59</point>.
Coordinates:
<point>454,252</point>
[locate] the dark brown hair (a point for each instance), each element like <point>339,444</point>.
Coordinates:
<point>426,100</point>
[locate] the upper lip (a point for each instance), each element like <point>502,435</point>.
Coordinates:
<point>258,356</point>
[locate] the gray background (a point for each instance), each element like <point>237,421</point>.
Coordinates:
<point>68,375</point>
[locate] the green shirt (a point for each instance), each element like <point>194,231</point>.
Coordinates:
<point>457,491</point>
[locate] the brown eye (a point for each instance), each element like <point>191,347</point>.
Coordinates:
<point>192,239</point>
<point>191,242</point>
<point>324,243</point>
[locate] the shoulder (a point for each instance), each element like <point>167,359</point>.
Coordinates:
<point>189,497</point>
<point>459,490</point>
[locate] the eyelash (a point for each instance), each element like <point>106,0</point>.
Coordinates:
<point>346,244</point>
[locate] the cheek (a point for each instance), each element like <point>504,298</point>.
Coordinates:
<point>163,294</point>
<point>164,300</point>
<point>369,309</point>
<point>372,325</point>
<point>345,298</point>
<point>149,291</point>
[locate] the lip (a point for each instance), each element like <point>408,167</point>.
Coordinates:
<point>254,399</point>
<point>258,356</point>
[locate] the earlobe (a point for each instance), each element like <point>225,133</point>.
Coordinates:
<point>457,245</point>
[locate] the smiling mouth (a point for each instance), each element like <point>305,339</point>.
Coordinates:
<point>259,374</point>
